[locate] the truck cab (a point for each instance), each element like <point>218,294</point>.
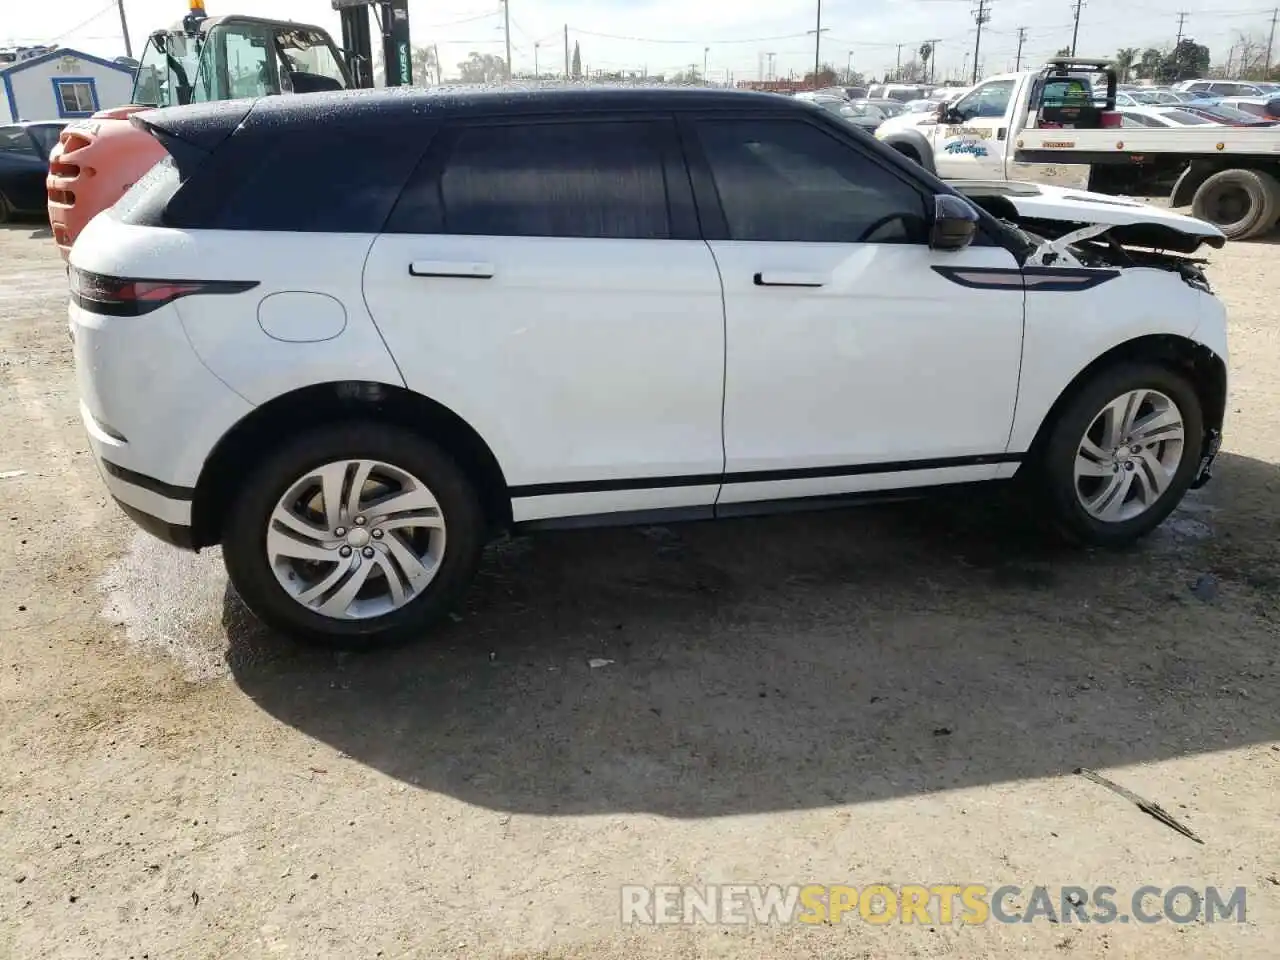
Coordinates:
<point>971,138</point>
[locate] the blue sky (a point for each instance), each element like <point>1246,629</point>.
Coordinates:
<point>666,35</point>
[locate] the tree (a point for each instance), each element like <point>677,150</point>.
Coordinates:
<point>1151,64</point>
<point>926,51</point>
<point>577,61</point>
<point>1125,59</point>
<point>826,77</point>
<point>1187,61</point>
<point>482,68</point>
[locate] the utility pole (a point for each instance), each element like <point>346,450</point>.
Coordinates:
<point>435,48</point>
<point>535,63</point>
<point>817,46</point>
<point>566,53</point>
<point>1075,28</point>
<point>848,68</point>
<point>506,31</point>
<point>1022,37</point>
<point>933,59</point>
<point>1271,38</point>
<point>769,75</point>
<point>706,53</point>
<point>128,47</point>
<point>897,70</point>
<point>981,15</point>
<point>1182,19</point>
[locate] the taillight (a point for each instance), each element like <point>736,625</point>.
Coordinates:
<point>1111,119</point>
<point>129,297</point>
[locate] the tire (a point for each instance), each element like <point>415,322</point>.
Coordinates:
<point>1064,493</point>
<point>447,557</point>
<point>1218,199</point>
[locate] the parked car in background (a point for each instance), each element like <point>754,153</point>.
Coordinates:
<point>24,164</point>
<point>530,310</point>
<point>1230,116</point>
<point>1221,88</point>
<point>902,92</point>
<point>922,106</point>
<point>1161,117</point>
<point>855,93</point>
<point>1140,97</point>
<point>890,108</point>
<point>863,116</point>
<point>1265,108</point>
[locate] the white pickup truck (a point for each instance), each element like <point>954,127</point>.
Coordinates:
<point>1058,125</point>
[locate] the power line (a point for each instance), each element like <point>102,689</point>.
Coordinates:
<point>612,36</point>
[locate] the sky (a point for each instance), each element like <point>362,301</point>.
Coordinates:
<point>669,35</point>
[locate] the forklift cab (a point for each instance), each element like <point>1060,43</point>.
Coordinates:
<point>1074,93</point>
<point>250,57</point>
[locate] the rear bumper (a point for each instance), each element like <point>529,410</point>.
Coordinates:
<point>161,509</point>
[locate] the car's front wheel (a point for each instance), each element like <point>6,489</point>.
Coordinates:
<point>1122,454</point>
<point>356,534</point>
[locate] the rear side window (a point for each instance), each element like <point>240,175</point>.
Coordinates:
<point>14,140</point>
<point>601,180</point>
<point>313,180</point>
<point>784,180</point>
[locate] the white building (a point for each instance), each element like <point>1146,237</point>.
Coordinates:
<point>63,84</point>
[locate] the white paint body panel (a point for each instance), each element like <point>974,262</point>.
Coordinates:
<point>577,360</point>
<point>888,361</point>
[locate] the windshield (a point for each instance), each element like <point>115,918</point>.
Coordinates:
<point>164,74</point>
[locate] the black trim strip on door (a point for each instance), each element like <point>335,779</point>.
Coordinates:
<point>759,476</point>
<point>167,490</point>
<point>1037,279</point>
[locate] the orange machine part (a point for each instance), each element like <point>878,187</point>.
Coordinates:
<point>93,163</point>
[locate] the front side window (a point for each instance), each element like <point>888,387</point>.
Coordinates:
<point>14,141</point>
<point>76,98</point>
<point>991,100</point>
<point>581,179</point>
<point>784,180</point>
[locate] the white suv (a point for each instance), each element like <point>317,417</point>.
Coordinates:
<point>349,337</point>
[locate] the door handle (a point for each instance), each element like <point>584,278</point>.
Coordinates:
<point>786,278</point>
<point>451,268</point>
<point>1002,133</point>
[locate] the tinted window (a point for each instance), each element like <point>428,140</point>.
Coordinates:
<point>15,140</point>
<point>581,179</point>
<point>45,135</point>
<point>786,180</point>
<point>316,181</point>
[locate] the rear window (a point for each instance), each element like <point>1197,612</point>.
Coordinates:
<point>307,180</point>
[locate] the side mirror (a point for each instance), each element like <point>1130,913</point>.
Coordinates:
<point>955,223</point>
<point>943,113</point>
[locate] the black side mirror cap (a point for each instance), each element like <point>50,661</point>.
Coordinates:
<point>955,223</point>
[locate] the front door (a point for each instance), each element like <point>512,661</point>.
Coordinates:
<point>857,357</point>
<point>971,144</point>
<point>544,280</point>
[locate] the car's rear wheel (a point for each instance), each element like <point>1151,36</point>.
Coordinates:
<point>355,535</point>
<point>1240,203</point>
<point>1122,454</point>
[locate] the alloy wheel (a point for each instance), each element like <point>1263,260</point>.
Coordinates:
<point>1129,456</point>
<point>355,539</point>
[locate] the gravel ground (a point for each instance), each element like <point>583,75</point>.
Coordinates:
<point>894,695</point>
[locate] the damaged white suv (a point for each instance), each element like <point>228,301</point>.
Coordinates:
<point>348,337</point>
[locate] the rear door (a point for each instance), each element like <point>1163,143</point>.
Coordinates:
<point>545,280</point>
<point>22,169</point>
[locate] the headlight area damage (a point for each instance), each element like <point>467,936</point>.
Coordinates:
<point>1073,228</point>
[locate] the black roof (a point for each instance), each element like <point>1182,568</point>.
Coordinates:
<point>407,103</point>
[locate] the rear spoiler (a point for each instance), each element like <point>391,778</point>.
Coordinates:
<point>190,133</point>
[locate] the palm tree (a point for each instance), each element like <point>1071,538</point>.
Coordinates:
<point>1126,57</point>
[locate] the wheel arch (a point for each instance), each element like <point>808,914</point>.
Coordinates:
<point>319,404</point>
<point>1198,171</point>
<point>913,145</point>
<point>1203,367</point>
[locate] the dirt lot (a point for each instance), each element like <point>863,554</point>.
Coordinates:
<point>891,695</point>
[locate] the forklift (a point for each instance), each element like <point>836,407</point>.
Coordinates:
<point>203,59</point>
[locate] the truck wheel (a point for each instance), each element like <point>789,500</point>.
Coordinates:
<point>1240,203</point>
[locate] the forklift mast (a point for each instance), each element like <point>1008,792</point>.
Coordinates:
<point>392,17</point>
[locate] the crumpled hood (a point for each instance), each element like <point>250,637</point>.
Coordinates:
<point>1132,222</point>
